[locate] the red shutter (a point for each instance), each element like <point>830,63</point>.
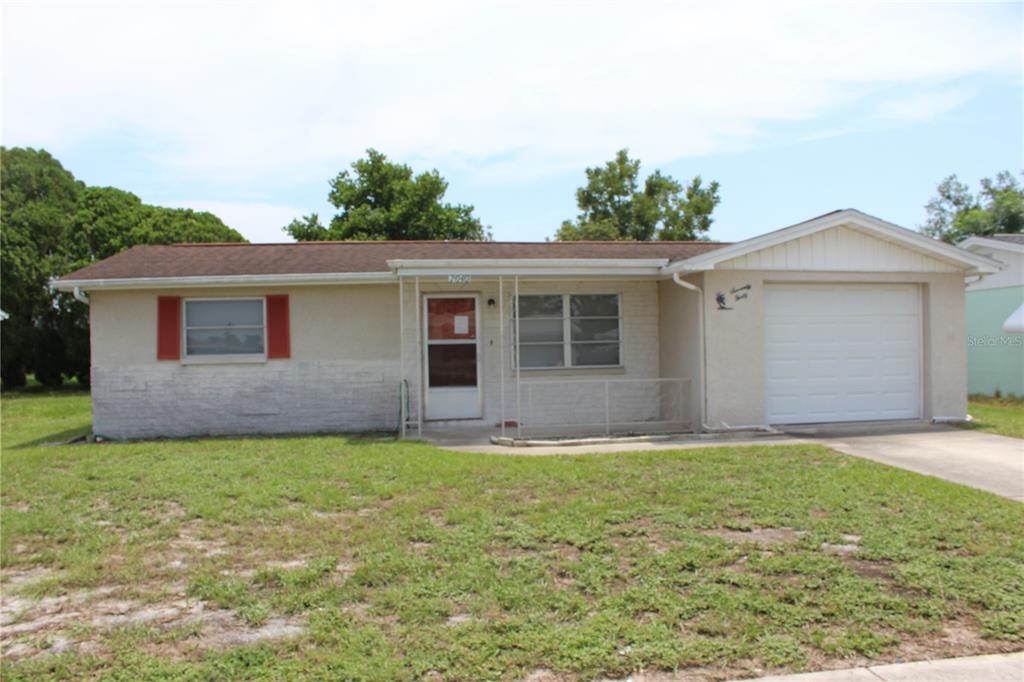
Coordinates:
<point>168,328</point>
<point>279,343</point>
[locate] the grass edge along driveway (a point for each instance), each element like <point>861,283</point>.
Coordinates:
<point>1002,416</point>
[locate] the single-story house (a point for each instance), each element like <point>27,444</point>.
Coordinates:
<point>995,318</point>
<point>840,318</point>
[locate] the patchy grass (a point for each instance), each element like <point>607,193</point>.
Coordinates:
<point>368,559</point>
<point>1004,416</point>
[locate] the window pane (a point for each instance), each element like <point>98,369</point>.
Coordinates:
<point>595,330</point>
<point>224,313</point>
<point>540,306</point>
<point>452,364</point>
<point>546,355</point>
<point>227,341</point>
<point>540,330</point>
<point>451,318</point>
<point>595,354</point>
<point>594,305</point>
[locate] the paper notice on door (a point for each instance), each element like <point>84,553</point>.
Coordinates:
<point>462,324</point>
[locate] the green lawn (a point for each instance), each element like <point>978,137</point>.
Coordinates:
<point>368,559</point>
<point>1004,416</point>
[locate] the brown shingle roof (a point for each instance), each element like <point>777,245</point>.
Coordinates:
<point>197,260</point>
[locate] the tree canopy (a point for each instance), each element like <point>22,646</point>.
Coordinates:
<point>955,213</point>
<point>613,206</point>
<point>51,224</point>
<point>381,199</point>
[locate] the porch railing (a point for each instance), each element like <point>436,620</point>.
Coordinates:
<point>580,407</point>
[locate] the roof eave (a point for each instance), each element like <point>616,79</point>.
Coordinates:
<point>554,267</point>
<point>290,279</point>
<point>991,244</point>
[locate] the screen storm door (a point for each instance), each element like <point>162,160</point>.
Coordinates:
<point>452,357</point>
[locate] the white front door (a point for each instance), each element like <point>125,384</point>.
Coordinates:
<point>452,356</point>
<point>842,352</point>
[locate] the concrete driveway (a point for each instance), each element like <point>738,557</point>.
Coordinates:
<point>981,460</point>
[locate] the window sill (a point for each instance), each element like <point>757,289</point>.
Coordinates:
<point>225,360</point>
<point>614,370</point>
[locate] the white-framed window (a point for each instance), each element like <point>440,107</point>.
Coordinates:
<point>569,330</point>
<point>224,328</point>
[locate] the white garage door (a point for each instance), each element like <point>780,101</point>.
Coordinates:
<point>842,352</point>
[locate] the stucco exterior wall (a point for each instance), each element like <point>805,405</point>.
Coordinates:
<point>566,400</point>
<point>679,339</point>
<point>342,375</point>
<point>735,341</point>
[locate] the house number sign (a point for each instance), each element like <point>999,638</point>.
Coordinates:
<point>459,279</point>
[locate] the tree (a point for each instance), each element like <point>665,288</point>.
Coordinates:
<point>38,198</point>
<point>613,207</point>
<point>955,213</point>
<point>51,224</point>
<point>380,199</point>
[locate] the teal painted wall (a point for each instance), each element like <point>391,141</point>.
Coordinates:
<point>995,359</point>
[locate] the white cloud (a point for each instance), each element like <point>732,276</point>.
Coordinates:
<point>258,222</point>
<point>245,92</point>
<point>922,106</point>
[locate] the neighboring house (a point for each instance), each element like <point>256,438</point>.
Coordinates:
<point>841,318</point>
<point>995,318</point>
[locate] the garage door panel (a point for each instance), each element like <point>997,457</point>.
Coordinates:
<point>842,352</point>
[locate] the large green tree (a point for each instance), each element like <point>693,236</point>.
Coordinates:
<point>613,205</point>
<point>38,200</point>
<point>380,199</point>
<point>956,213</point>
<point>51,224</point>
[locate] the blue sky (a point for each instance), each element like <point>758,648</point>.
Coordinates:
<point>248,109</point>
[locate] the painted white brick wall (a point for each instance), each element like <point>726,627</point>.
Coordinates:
<point>282,396</point>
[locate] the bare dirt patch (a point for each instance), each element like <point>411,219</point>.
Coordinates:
<point>190,541</point>
<point>957,638</point>
<point>459,619</point>
<point>545,675</point>
<point>839,549</point>
<point>78,620</point>
<point>289,565</point>
<point>363,612</point>
<point>876,570</point>
<point>760,536</point>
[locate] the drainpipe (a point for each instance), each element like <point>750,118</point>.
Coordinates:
<point>703,354</point>
<point>80,296</point>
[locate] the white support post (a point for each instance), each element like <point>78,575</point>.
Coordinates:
<point>607,409</point>
<point>421,390</point>
<point>401,356</point>
<point>515,349</point>
<point>501,349</point>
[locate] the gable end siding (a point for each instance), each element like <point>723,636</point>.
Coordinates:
<point>843,249</point>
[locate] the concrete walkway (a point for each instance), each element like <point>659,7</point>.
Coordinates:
<point>484,446</point>
<point>994,668</point>
<point>974,458</point>
<point>981,460</point>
